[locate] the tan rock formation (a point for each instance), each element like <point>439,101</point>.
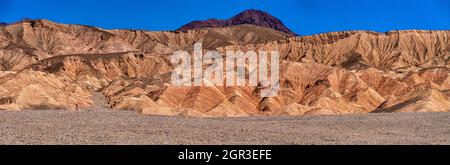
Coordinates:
<point>357,49</point>
<point>45,65</point>
<point>39,90</point>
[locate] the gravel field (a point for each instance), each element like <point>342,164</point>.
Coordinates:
<point>125,127</point>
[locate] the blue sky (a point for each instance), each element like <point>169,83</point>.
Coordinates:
<point>305,17</point>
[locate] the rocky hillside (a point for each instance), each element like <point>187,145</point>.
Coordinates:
<point>46,65</point>
<point>252,17</point>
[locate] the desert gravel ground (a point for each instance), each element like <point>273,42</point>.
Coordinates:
<point>126,127</point>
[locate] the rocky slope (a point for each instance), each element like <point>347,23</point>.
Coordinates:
<point>252,17</point>
<point>361,49</point>
<point>46,65</point>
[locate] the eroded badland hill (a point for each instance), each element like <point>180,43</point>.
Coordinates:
<point>46,65</point>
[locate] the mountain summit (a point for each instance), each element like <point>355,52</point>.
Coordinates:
<point>253,17</point>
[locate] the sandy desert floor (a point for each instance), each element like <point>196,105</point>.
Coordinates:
<point>125,127</point>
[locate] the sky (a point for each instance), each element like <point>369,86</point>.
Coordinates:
<point>305,17</point>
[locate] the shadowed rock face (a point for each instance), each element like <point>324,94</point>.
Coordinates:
<point>252,17</point>
<point>46,65</point>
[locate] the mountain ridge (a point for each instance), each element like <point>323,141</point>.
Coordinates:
<point>251,16</point>
<point>47,65</point>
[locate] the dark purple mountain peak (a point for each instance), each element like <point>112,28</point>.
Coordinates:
<point>253,17</point>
